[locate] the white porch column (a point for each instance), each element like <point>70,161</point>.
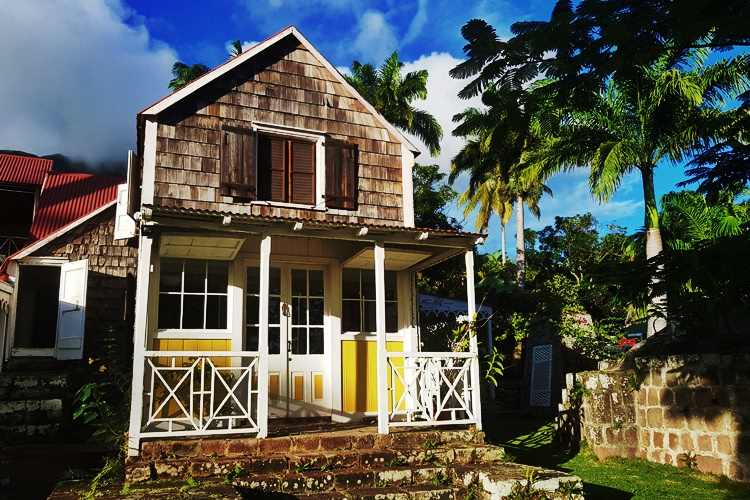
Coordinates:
<point>143,275</point>
<point>476,402</point>
<point>265,265</point>
<point>382,377</point>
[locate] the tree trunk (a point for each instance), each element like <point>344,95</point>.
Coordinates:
<point>502,241</point>
<point>520,245</point>
<point>656,322</point>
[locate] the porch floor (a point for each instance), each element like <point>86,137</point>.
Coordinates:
<point>297,426</point>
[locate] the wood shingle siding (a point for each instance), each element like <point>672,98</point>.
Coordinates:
<point>285,86</point>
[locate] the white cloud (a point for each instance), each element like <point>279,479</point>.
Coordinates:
<point>375,38</point>
<point>75,75</point>
<point>443,102</point>
<point>417,23</point>
<point>245,46</point>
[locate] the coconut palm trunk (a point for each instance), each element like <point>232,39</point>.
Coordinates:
<point>520,250</point>
<point>502,242</point>
<point>657,319</point>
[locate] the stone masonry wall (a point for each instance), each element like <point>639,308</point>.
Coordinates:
<point>688,411</point>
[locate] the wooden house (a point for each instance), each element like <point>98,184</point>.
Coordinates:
<point>277,259</point>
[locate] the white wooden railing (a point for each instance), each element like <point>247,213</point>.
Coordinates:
<point>431,388</point>
<point>189,393</point>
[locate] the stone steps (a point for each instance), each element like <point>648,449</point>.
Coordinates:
<point>32,405</point>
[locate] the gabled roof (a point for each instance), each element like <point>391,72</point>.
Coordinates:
<point>23,170</point>
<point>66,198</point>
<point>224,68</point>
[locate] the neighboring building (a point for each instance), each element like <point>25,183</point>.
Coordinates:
<point>277,244</point>
<point>21,179</point>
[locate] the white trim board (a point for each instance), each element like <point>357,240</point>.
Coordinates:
<point>53,236</point>
<point>209,77</point>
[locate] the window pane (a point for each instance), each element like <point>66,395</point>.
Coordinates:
<point>316,341</point>
<point>316,311</point>
<point>170,278</point>
<point>274,340</point>
<point>251,338</point>
<point>316,283</point>
<point>218,274</point>
<point>274,281</point>
<point>169,311</point>
<point>368,284</point>
<point>299,340</point>
<point>299,282</point>
<point>192,311</point>
<point>350,319</point>
<point>369,319</point>
<point>253,280</point>
<point>391,317</point>
<point>274,310</point>
<point>390,285</point>
<point>195,275</point>
<point>350,280</point>
<point>299,311</point>
<point>251,310</point>
<point>216,312</point>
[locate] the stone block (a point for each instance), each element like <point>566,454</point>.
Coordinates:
<point>724,445</point>
<point>394,476</point>
<point>708,464</point>
<point>654,417</point>
<point>355,479</point>
<point>656,376</point>
<point>274,445</point>
<point>686,442</point>
<point>674,441</point>
<point>705,443</point>
<point>653,396</point>
<point>306,442</point>
<point>216,447</point>
<point>658,439</point>
<point>666,397</point>
<point>138,473</point>
<point>376,458</point>
<point>362,442</point>
<point>335,443</point>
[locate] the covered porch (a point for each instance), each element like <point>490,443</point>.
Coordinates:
<point>323,314</point>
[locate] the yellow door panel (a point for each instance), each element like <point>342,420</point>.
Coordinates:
<point>359,366</point>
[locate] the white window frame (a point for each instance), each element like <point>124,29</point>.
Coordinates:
<point>248,293</point>
<point>360,334</point>
<point>195,333</point>
<point>320,163</point>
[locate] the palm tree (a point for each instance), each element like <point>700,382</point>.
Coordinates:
<point>184,74</point>
<point>236,48</point>
<point>491,197</point>
<point>392,93</point>
<point>495,189</point>
<point>665,113</point>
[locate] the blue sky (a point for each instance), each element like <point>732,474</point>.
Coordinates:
<point>111,58</point>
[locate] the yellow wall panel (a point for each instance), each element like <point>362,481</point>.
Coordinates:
<point>359,367</point>
<point>299,387</point>
<point>273,385</point>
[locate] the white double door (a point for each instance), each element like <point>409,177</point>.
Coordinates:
<point>297,362</point>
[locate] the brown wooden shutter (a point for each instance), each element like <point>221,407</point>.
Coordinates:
<point>278,180</point>
<point>238,165</point>
<point>302,172</point>
<point>342,171</point>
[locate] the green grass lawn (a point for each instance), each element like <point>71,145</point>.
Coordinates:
<point>529,441</point>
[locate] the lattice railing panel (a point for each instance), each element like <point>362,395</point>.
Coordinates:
<point>430,388</point>
<point>195,393</point>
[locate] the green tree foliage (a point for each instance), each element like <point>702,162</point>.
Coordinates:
<point>183,74</point>
<point>392,94</point>
<point>431,197</point>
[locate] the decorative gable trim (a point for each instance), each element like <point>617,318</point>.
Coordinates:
<point>217,72</point>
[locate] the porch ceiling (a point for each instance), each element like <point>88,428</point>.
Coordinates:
<point>200,247</point>
<point>395,259</point>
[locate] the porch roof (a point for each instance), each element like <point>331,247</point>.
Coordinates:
<point>296,226</point>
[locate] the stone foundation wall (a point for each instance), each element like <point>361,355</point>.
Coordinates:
<point>688,411</point>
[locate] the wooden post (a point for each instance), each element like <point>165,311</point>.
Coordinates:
<point>476,400</point>
<point>382,361</point>
<point>265,265</point>
<point>143,275</point>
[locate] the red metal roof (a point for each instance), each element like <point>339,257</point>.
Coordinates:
<point>68,197</point>
<point>25,170</point>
